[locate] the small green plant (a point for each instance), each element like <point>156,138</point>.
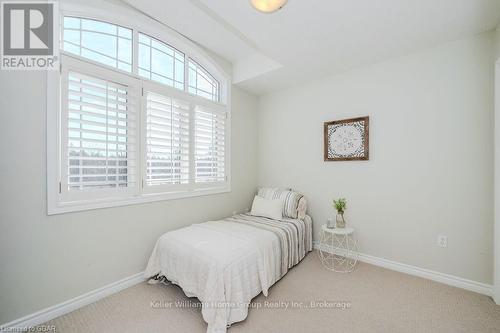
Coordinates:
<point>340,205</point>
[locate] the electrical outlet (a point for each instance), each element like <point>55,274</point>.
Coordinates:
<point>442,241</point>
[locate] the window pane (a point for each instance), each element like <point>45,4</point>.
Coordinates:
<point>72,48</point>
<point>124,32</point>
<point>201,83</point>
<point>99,41</point>
<point>72,36</point>
<point>162,47</point>
<point>124,45</point>
<point>144,57</point>
<point>104,44</point>
<point>160,62</point>
<point>179,70</point>
<point>144,39</point>
<point>98,57</point>
<point>99,26</point>
<point>71,22</point>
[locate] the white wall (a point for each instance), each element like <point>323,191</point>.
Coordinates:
<point>45,260</point>
<point>431,155</point>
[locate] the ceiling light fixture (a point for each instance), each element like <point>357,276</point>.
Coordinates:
<point>268,6</point>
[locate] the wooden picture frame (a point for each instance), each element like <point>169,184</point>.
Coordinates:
<point>347,139</point>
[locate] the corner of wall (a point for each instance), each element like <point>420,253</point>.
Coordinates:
<point>496,206</point>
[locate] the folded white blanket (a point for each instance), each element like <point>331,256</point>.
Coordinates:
<point>225,264</point>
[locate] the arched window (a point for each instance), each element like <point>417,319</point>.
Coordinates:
<point>140,120</point>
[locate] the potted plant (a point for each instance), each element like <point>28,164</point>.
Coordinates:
<point>340,206</point>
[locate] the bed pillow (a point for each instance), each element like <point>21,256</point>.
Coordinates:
<point>302,208</point>
<point>289,200</point>
<point>271,192</point>
<point>270,208</point>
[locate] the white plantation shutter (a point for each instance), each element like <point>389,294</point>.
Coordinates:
<point>99,148</point>
<point>167,140</point>
<point>115,138</point>
<point>210,145</point>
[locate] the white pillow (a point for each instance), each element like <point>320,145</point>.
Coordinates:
<point>267,208</point>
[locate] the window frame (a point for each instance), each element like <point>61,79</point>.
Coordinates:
<point>57,201</point>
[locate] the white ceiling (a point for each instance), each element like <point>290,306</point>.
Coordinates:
<point>311,38</point>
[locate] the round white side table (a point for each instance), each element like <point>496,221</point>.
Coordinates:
<point>338,249</point>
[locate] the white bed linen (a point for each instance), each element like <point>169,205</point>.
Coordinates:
<point>224,264</point>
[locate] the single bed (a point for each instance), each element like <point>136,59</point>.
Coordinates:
<point>226,263</point>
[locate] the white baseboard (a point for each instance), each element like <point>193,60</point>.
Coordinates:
<point>455,281</point>
<point>60,309</point>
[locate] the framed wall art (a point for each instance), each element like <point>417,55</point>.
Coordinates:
<point>347,139</point>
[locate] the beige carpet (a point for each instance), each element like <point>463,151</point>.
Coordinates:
<point>380,301</point>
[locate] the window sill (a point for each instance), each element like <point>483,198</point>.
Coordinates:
<point>76,206</point>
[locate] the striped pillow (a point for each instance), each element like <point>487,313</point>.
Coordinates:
<point>290,199</point>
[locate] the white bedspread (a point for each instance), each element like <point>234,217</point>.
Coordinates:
<point>224,264</point>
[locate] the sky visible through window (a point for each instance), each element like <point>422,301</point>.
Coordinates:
<point>99,41</point>
<point>201,83</point>
<point>160,62</point>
